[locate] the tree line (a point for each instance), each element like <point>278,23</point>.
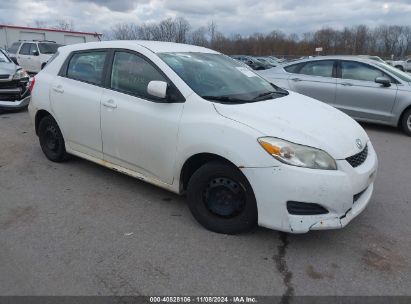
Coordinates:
<point>384,40</point>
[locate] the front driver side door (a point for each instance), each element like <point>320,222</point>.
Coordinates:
<point>359,96</point>
<point>139,131</point>
<point>315,79</point>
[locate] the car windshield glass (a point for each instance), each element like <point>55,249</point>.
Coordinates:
<point>4,57</point>
<point>400,74</point>
<point>48,48</point>
<point>219,78</point>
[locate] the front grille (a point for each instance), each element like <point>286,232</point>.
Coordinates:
<point>359,158</point>
<point>4,76</point>
<point>300,208</point>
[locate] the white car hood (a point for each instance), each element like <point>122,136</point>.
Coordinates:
<point>301,120</point>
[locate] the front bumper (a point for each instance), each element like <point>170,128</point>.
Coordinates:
<point>15,104</point>
<point>332,189</point>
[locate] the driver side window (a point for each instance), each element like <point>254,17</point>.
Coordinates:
<point>132,73</point>
<point>359,71</point>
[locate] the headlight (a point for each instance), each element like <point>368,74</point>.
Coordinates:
<point>297,155</point>
<point>20,74</point>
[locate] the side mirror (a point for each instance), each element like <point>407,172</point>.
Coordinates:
<point>157,88</point>
<point>35,53</point>
<point>384,81</point>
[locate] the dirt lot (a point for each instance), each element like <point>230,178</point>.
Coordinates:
<point>79,229</point>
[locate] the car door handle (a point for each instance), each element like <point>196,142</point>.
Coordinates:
<point>347,84</point>
<point>58,89</point>
<point>109,104</point>
<point>296,79</point>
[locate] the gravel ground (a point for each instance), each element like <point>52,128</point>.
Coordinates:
<point>80,229</point>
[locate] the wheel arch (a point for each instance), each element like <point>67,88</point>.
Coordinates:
<point>402,114</point>
<point>40,114</point>
<point>194,162</point>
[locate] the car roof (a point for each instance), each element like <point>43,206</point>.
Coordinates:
<point>154,46</point>
<point>332,57</point>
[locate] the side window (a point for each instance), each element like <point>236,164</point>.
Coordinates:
<point>295,68</point>
<point>33,48</point>
<point>14,47</point>
<point>359,71</point>
<point>131,74</point>
<point>25,49</point>
<point>322,68</point>
<point>87,66</point>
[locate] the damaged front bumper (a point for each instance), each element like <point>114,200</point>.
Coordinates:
<point>344,193</point>
<point>14,95</point>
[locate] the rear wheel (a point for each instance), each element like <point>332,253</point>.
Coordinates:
<point>399,67</point>
<point>51,140</point>
<point>221,199</point>
<point>406,122</point>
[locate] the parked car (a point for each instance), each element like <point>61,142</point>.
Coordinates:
<point>252,62</point>
<point>367,90</point>
<point>268,61</point>
<point>14,84</point>
<point>32,55</point>
<point>403,65</point>
<point>191,120</point>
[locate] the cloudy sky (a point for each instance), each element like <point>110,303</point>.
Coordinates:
<point>231,16</point>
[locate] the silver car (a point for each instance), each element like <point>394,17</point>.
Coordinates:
<point>14,84</point>
<point>365,89</point>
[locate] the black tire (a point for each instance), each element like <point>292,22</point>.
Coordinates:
<point>400,67</point>
<point>221,199</point>
<point>406,122</point>
<point>51,140</point>
<point>43,65</point>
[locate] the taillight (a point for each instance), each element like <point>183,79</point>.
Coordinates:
<point>31,83</point>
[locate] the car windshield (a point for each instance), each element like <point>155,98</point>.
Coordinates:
<point>48,48</point>
<point>400,74</point>
<point>217,77</point>
<point>4,57</point>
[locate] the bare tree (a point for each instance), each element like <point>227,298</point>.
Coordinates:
<point>64,24</point>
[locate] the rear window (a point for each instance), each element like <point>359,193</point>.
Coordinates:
<point>14,47</point>
<point>87,66</point>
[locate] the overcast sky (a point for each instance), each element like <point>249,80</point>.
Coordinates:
<point>231,16</point>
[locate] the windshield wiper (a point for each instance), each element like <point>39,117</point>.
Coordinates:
<point>225,99</point>
<point>270,94</point>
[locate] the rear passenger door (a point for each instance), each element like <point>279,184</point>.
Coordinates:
<point>75,98</point>
<point>139,131</point>
<point>316,79</point>
<point>359,96</point>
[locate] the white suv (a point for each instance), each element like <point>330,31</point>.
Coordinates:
<point>33,55</point>
<point>192,120</point>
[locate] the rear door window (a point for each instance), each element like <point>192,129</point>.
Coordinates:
<point>323,68</point>
<point>87,66</point>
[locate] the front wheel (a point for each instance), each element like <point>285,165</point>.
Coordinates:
<point>221,199</point>
<point>406,122</point>
<point>51,140</point>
